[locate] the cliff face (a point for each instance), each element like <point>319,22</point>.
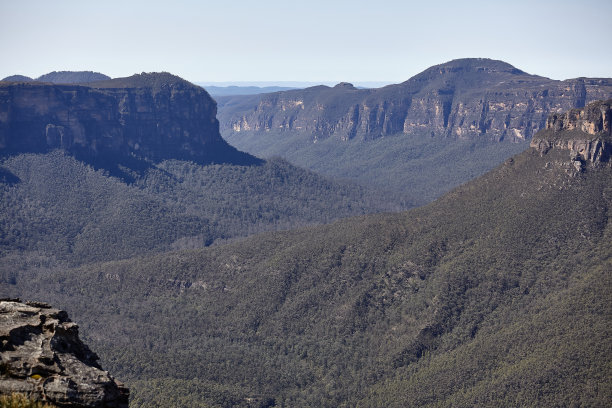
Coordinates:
<point>469,98</point>
<point>42,357</point>
<point>593,119</point>
<point>585,133</point>
<point>151,116</point>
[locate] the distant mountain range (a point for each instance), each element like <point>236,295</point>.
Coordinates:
<point>420,138</point>
<point>61,77</point>
<point>233,90</point>
<point>497,294</point>
<point>218,91</point>
<point>465,98</point>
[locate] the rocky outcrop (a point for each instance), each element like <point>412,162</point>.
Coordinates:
<point>466,99</point>
<point>585,133</point>
<point>593,119</point>
<point>149,116</point>
<point>42,357</point>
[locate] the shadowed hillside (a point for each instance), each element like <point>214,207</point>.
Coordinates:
<point>54,208</point>
<point>497,294</point>
<point>136,165</point>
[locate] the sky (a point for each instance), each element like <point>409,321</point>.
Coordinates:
<point>271,41</point>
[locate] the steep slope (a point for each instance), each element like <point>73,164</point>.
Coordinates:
<point>421,137</point>
<point>133,165</point>
<point>466,98</point>
<point>146,117</point>
<point>496,294</point>
<point>56,209</point>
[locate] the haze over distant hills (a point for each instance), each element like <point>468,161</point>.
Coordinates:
<point>232,90</point>
<point>421,137</point>
<point>220,89</point>
<point>61,77</point>
<point>497,294</point>
<point>291,84</point>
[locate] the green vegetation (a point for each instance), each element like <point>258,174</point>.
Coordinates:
<point>419,168</point>
<point>21,401</point>
<point>497,294</point>
<point>55,210</point>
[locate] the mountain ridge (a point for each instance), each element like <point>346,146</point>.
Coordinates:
<point>72,77</point>
<point>61,77</point>
<point>496,294</point>
<point>465,98</point>
<point>420,138</point>
<point>137,165</point>
<point>144,117</point>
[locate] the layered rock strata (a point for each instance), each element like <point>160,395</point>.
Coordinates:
<point>465,99</point>
<point>42,357</point>
<point>150,116</point>
<point>585,133</point>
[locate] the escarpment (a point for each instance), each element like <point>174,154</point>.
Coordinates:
<point>585,133</point>
<point>593,119</point>
<point>42,357</point>
<point>465,99</point>
<point>148,116</point>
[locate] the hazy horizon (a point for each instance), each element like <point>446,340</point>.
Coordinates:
<point>318,42</point>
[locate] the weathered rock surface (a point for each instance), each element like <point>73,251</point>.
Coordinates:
<point>466,99</point>
<point>42,357</point>
<point>585,133</point>
<point>593,119</point>
<point>150,116</point>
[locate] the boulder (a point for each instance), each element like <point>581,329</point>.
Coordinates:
<point>42,357</point>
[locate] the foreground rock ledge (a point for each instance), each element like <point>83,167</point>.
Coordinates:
<point>42,357</point>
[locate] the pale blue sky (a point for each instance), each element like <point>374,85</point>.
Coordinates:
<point>308,40</point>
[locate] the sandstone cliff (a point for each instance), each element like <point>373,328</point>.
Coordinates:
<point>148,116</point>
<point>585,133</point>
<point>467,98</point>
<point>42,357</point>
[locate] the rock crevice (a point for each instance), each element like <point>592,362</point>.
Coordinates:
<point>42,357</point>
<point>585,133</point>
